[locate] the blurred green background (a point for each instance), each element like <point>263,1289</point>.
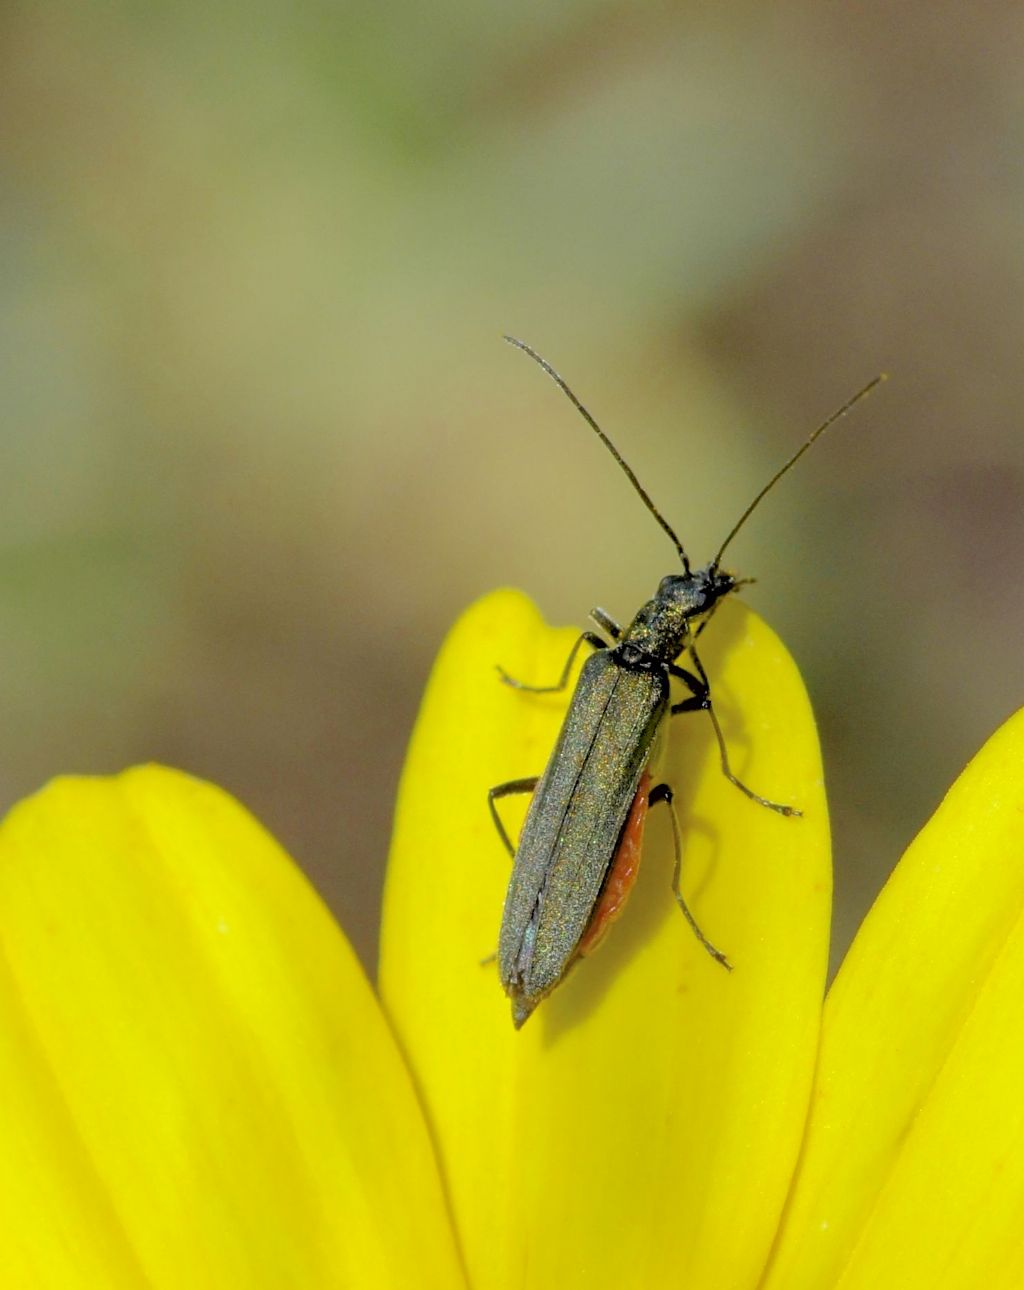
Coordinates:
<point>263,442</point>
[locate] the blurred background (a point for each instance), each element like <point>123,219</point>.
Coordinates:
<point>262,441</point>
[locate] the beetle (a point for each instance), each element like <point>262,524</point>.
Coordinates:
<point>579,847</point>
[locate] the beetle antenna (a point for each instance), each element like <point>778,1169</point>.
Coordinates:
<point>839,412</point>
<point>644,497</point>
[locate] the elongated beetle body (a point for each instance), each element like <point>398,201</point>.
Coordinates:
<point>579,847</point>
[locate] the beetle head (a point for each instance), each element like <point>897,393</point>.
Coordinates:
<point>697,591</point>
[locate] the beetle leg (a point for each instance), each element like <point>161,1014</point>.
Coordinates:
<point>590,638</point>
<point>701,698</point>
<point>506,790</point>
<point>606,623</point>
<point>706,619</point>
<point>662,793</point>
<point>699,695</point>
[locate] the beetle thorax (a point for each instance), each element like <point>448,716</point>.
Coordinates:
<point>661,627</point>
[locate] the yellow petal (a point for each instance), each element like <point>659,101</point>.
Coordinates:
<point>913,1171</point>
<point>640,1130</point>
<point>198,1088</point>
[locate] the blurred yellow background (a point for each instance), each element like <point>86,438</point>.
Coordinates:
<point>263,442</point>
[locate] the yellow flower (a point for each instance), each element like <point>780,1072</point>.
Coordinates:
<point>200,1089</point>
